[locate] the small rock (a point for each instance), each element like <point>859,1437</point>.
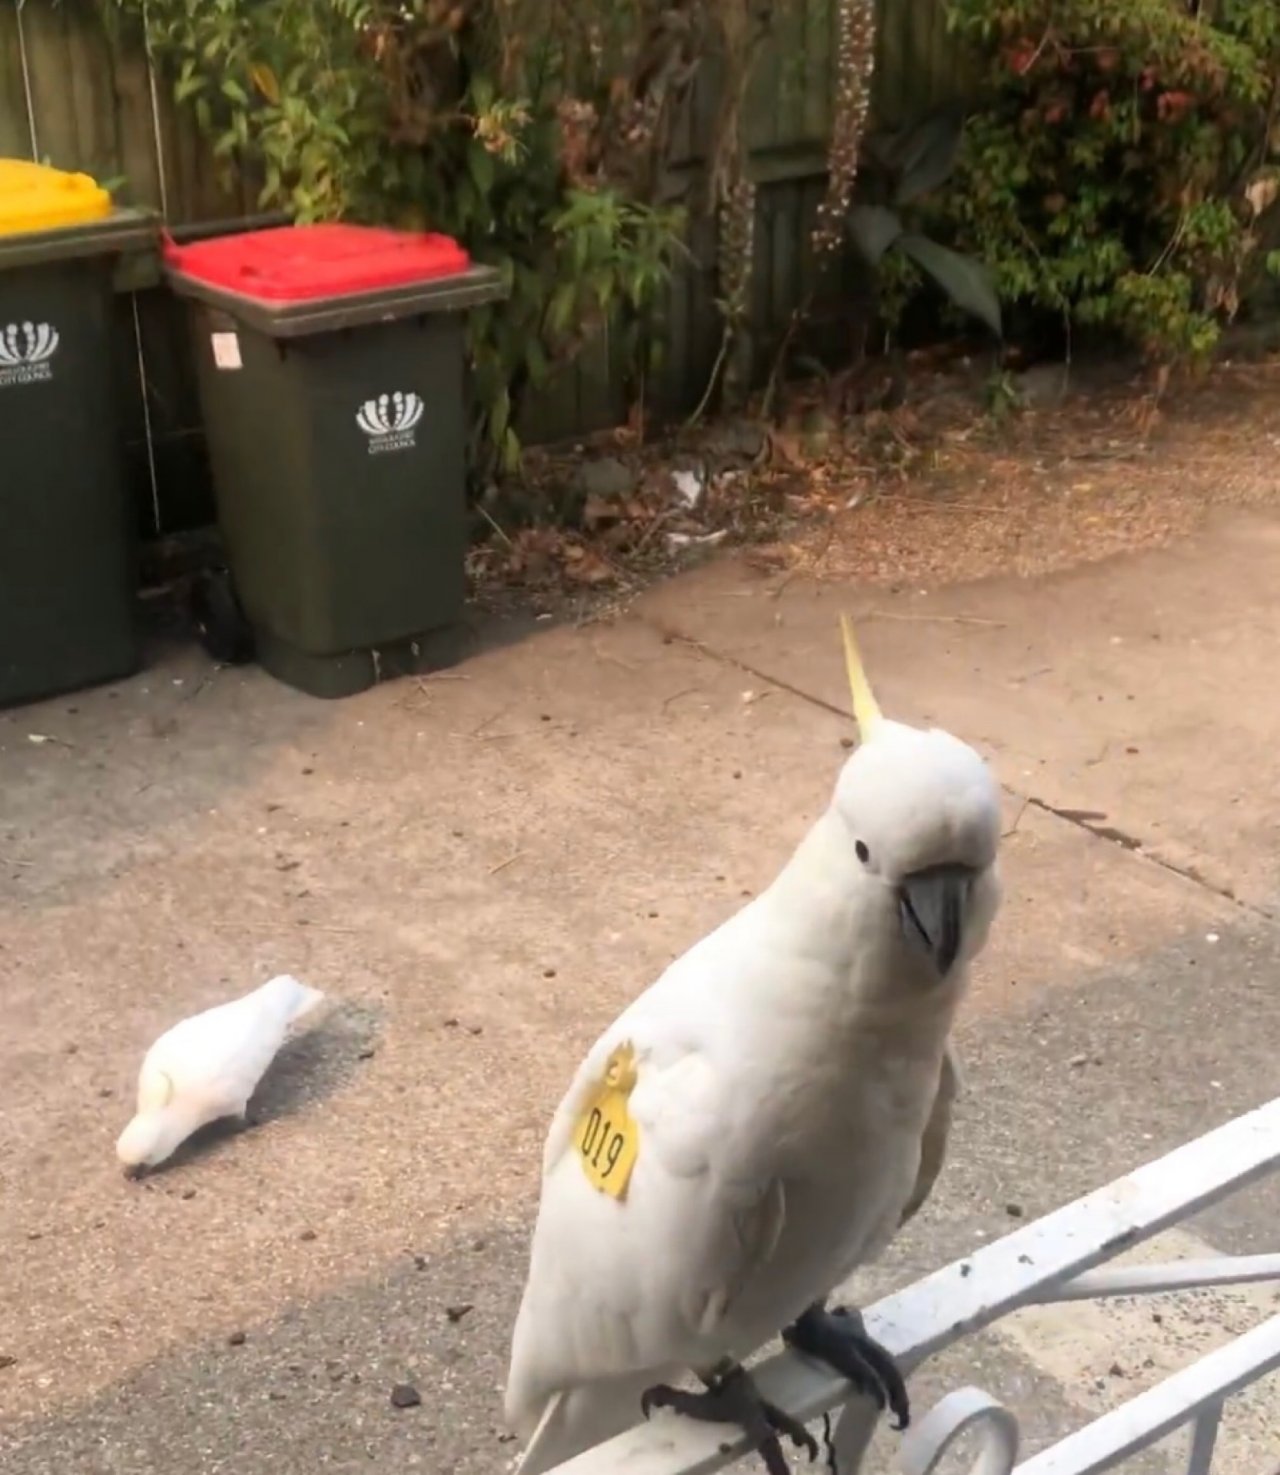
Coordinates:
<point>1116,1370</point>
<point>307,1235</point>
<point>1158,1318</point>
<point>1077,1061</point>
<point>236,1339</point>
<point>7,1360</point>
<point>846,742</point>
<point>367,1053</point>
<point>745,438</point>
<point>817,427</point>
<point>405,1395</point>
<point>606,477</point>
<point>307,772</point>
<point>419,1262</point>
<point>451,1023</point>
<point>105,1091</point>
<point>1014,1211</point>
<point>188,1194</point>
<point>456,1313</point>
<point>548,973</point>
<point>475,1029</point>
<point>966,1270</point>
<point>1043,386</point>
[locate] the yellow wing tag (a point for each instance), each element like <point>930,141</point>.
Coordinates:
<point>607,1136</point>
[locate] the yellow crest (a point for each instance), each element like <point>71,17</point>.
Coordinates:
<point>866,710</point>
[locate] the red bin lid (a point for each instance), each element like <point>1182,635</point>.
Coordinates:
<point>295,263</point>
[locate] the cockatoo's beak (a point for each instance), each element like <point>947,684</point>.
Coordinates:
<point>866,710</point>
<point>931,906</point>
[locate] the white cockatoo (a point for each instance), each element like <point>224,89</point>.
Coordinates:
<point>759,1123</point>
<point>207,1067</point>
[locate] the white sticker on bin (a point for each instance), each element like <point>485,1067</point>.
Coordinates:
<point>390,421</point>
<point>26,352</point>
<point>226,350</point>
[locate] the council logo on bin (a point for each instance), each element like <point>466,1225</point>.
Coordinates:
<point>390,421</point>
<point>26,353</point>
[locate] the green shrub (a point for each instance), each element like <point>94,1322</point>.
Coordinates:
<point>1122,165</point>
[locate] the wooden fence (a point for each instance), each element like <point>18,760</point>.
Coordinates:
<point>82,96</point>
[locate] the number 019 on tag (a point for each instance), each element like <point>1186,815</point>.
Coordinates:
<point>607,1136</point>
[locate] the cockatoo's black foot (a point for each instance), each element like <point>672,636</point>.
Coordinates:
<point>732,1398</point>
<point>840,1339</point>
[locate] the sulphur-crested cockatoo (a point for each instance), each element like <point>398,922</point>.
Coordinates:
<point>758,1123</point>
<point>207,1067</point>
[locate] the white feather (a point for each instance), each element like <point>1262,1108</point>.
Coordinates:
<point>788,1065</point>
<point>208,1066</point>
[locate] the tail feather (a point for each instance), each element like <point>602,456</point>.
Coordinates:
<point>580,1418</point>
<point>294,999</point>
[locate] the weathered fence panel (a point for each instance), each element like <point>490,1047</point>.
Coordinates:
<point>81,95</point>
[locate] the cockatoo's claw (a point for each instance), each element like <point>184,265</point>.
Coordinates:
<point>839,1339</point>
<point>732,1398</point>
<point>134,1171</point>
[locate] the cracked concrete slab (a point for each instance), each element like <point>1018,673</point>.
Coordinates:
<point>1096,689</point>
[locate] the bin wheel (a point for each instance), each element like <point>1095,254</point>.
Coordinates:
<point>220,622</point>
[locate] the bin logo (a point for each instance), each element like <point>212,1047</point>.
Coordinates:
<point>390,421</point>
<point>26,353</point>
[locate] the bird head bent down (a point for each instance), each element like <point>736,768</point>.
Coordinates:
<point>922,812</point>
<point>147,1141</point>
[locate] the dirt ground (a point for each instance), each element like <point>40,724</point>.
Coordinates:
<point>480,868</point>
<point>941,489</point>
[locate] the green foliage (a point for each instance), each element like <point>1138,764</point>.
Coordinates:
<point>1122,167</point>
<point>488,121</point>
<point>899,171</point>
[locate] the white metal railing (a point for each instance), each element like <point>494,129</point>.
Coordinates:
<point>1051,1260</point>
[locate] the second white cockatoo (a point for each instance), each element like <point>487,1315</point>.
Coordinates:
<point>759,1123</point>
<point>207,1067</point>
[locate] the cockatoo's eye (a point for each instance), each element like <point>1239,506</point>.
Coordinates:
<point>861,851</point>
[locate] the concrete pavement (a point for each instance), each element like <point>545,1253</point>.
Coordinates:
<point>482,869</point>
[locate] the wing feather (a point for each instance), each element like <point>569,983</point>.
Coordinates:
<point>616,1287</point>
<point>933,1144</point>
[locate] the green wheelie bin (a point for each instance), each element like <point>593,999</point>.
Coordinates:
<point>331,371</point>
<point>68,561</point>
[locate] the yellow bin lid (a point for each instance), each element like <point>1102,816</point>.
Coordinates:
<point>37,197</point>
